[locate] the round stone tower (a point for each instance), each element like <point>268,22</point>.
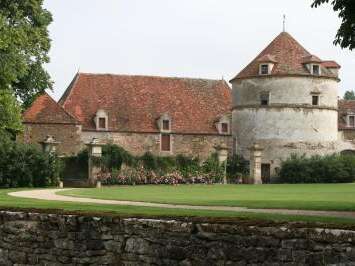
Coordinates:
<point>286,101</point>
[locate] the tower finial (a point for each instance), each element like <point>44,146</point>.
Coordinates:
<point>284,23</point>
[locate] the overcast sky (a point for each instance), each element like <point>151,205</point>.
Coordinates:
<point>183,38</point>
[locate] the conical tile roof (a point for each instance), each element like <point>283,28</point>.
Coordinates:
<point>289,58</point>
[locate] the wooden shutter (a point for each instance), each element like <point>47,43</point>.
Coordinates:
<point>165,142</point>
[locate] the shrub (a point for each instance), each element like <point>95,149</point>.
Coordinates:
<point>114,156</point>
<point>318,169</point>
<point>237,167</point>
<point>25,166</point>
<point>76,167</point>
<point>187,165</point>
<point>213,167</point>
<point>149,161</point>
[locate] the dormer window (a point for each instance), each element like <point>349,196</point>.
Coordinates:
<point>223,125</point>
<point>264,98</point>
<point>166,124</point>
<point>315,69</point>
<point>101,120</point>
<point>264,69</point>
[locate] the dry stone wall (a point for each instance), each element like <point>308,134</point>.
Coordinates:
<point>58,239</point>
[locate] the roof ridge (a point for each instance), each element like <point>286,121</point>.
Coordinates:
<point>148,76</point>
<point>68,90</point>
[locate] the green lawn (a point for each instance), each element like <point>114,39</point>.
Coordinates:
<point>218,194</point>
<point>339,197</point>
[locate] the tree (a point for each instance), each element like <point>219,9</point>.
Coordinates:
<point>349,95</point>
<point>345,36</point>
<point>24,47</point>
<point>10,114</point>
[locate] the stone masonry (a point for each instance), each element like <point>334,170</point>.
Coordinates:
<point>59,239</point>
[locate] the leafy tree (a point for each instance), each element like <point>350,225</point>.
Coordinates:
<point>345,36</point>
<point>349,95</point>
<point>10,114</point>
<point>24,46</point>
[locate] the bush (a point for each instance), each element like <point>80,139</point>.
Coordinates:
<point>114,156</point>
<point>76,167</point>
<point>25,166</point>
<point>318,169</point>
<point>237,167</point>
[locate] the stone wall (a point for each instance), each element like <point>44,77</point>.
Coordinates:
<point>289,123</point>
<point>349,134</point>
<point>67,134</point>
<point>53,239</point>
<point>139,143</point>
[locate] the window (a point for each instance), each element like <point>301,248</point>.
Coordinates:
<point>224,127</point>
<point>316,70</point>
<point>264,98</point>
<point>166,125</point>
<point>102,122</point>
<point>315,100</point>
<point>165,142</point>
<point>264,69</point>
<point>351,121</point>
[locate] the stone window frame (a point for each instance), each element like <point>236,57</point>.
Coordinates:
<point>319,69</point>
<point>261,69</point>
<point>160,123</point>
<point>348,120</point>
<point>101,114</point>
<point>316,93</point>
<point>223,120</point>
<point>265,94</point>
<point>170,151</point>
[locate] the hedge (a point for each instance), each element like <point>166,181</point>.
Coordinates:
<point>24,165</point>
<point>318,169</point>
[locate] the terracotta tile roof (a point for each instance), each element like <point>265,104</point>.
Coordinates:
<point>267,58</point>
<point>47,111</point>
<point>345,107</point>
<point>289,55</point>
<point>330,64</point>
<point>311,59</point>
<point>134,103</point>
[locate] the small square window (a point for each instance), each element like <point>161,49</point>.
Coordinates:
<point>224,127</point>
<point>165,142</point>
<point>316,70</point>
<point>352,121</point>
<point>264,69</point>
<point>264,98</point>
<point>315,100</point>
<point>102,122</point>
<point>166,125</point>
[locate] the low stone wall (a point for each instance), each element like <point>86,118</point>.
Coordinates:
<point>56,239</point>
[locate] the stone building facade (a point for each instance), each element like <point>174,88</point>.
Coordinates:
<point>286,101</point>
<point>165,116</point>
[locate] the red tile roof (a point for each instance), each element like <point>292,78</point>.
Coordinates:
<point>134,103</point>
<point>330,64</point>
<point>47,111</point>
<point>345,107</point>
<point>289,55</point>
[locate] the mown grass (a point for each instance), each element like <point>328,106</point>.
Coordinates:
<point>14,203</point>
<point>335,197</point>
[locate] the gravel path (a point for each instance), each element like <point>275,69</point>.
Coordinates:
<point>50,194</point>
